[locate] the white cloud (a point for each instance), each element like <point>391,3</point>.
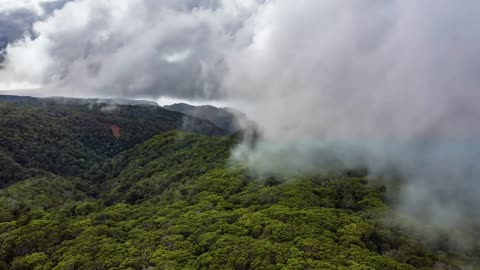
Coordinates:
<point>176,56</point>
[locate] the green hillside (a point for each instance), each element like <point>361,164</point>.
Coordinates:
<point>172,202</point>
<point>39,136</point>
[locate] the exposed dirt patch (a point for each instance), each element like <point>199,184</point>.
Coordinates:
<point>116,130</point>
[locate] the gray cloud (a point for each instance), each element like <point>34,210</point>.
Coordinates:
<point>369,83</point>
<point>13,26</point>
<point>132,48</point>
<point>17,23</point>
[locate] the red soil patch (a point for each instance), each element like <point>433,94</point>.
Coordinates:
<point>116,130</point>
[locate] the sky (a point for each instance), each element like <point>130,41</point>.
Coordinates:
<point>391,81</point>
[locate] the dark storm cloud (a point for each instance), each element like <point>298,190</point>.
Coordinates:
<point>15,25</point>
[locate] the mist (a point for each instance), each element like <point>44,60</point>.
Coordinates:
<point>388,85</point>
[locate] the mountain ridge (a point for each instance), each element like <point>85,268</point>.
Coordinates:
<point>227,118</point>
<point>77,101</point>
<point>38,136</point>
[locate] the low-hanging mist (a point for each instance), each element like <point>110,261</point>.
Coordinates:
<point>392,91</point>
<point>388,85</point>
<point>432,183</point>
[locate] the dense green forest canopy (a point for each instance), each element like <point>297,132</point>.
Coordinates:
<point>76,197</point>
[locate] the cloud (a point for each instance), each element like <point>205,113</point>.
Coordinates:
<point>17,18</point>
<point>131,48</point>
<point>361,69</point>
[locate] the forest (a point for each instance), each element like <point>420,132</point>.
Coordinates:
<point>164,195</point>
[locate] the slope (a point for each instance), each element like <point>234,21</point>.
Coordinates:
<point>171,203</point>
<point>38,136</point>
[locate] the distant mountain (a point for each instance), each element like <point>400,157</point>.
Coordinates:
<point>18,99</point>
<point>226,118</point>
<point>111,101</point>
<point>78,101</point>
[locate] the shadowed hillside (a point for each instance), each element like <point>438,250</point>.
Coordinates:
<point>39,135</point>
